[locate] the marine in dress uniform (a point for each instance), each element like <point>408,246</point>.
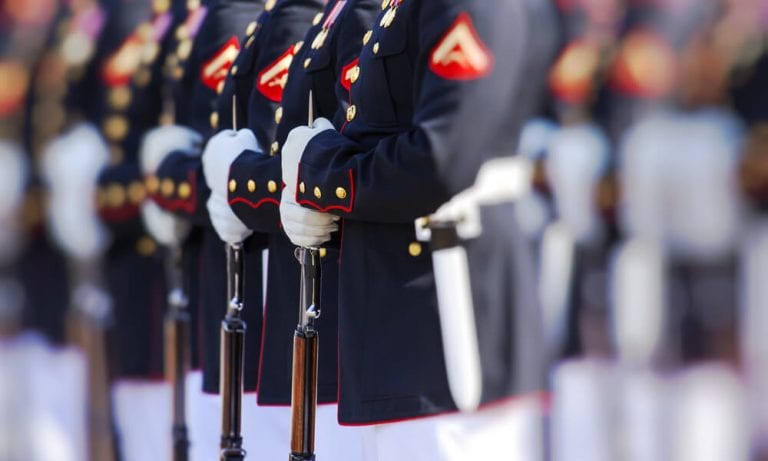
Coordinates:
<point>251,184</point>
<point>207,56</point>
<point>406,143</point>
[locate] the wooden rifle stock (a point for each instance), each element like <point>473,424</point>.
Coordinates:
<point>177,353</point>
<point>88,323</point>
<point>305,348</point>
<point>232,359</point>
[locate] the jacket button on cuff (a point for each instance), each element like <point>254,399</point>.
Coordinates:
<point>185,190</point>
<point>302,188</point>
<point>153,184</point>
<point>251,185</point>
<point>272,187</point>
<point>351,112</point>
<point>115,196</point>
<point>317,192</point>
<point>414,249</point>
<point>136,192</point>
<point>341,193</point>
<point>167,187</point>
<point>232,185</point>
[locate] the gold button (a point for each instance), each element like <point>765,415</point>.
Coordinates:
<point>316,20</point>
<point>120,97</point>
<point>307,62</point>
<point>351,112</point>
<point>234,70</point>
<point>251,28</point>
<point>167,187</point>
<point>220,88</point>
<point>182,32</point>
<point>184,49</point>
<point>115,195</point>
<point>143,76</point>
<point>278,114</point>
<point>232,185</point>
<point>185,190</point>
<point>367,37</point>
<point>150,52</point>
<point>269,5</point>
<point>251,185</point>
<point>145,246</point>
<point>214,120</point>
<point>297,47</point>
<point>302,188</point>
<point>376,48</point>
<point>355,74</point>
<point>116,127</point>
<point>274,149</point>
<point>272,187</point>
<point>341,193</point>
<point>414,249</point>
<point>152,183</point>
<point>250,41</point>
<point>323,252</point>
<point>136,192</point>
<point>318,193</point>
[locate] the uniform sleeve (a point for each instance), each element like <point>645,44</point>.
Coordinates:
<point>461,118</point>
<point>255,186</point>
<point>179,187</point>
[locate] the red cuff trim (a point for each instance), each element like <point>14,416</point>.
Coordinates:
<point>114,216</point>
<point>346,209</point>
<point>251,204</point>
<point>173,205</point>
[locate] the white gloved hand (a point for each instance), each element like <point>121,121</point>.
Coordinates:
<point>13,171</point>
<point>71,165</point>
<point>167,229</point>
<point>220,151</point>
<point>228,226</point>
<point>161,141</point>
<point>294,147</point>
<point>304,227</point>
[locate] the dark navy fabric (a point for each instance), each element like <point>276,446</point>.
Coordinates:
<point>413,140</point>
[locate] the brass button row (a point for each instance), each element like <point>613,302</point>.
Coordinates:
<point>115,195</point>
<point>341,193</point>
<point>251,186</point>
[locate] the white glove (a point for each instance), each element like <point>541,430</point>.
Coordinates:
<point>306,228</point>
<point>13,171</point>
<point>220,152</point>
<point>294,147</point>
<point>163,226</point>
<point>229,227</point>
<point>161,141</point>
<point>71,165</point>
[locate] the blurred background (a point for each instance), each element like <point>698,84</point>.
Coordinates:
<point>647,213</point>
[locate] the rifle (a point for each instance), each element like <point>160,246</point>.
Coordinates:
<point>232,353</point>
<point>88,323</point>
<point>305,347</point>
<point>177,352</point>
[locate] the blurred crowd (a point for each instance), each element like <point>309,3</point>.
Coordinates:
<point>540,225</point>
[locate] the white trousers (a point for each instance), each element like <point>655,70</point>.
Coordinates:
<point>143,412</point>
<point>510,431</point>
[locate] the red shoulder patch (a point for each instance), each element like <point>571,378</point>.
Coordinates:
<point>349,74</point>
<point>271,81</point>
<point>460,54</point>
<point>215,70</point>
